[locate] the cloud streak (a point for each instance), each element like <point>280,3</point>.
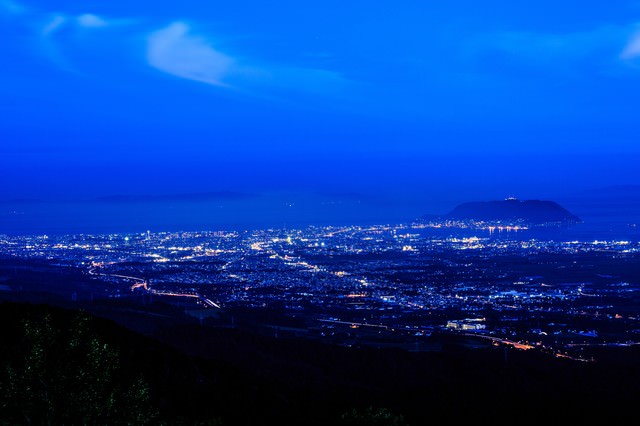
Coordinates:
<point>89,20</point>
<point>54,24</point>
<point>563,52</point>
<point>632,49</point>
<point>178,50</point>
<point>12,7</point>
<point>174,50</point>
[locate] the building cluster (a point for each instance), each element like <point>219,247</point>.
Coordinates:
<point>375,281</point>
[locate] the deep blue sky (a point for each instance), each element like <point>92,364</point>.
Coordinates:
<point>410,99</point>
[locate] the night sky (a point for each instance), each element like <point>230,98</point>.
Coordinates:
<point>419,102</point>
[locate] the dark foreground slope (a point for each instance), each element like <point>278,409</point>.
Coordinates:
<point>195,374</point>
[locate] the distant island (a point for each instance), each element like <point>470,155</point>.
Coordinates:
<point>510,212</point>
<point>532,212</point>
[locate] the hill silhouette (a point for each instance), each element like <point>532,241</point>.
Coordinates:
<point>196,374</point>
<point>534,212</point>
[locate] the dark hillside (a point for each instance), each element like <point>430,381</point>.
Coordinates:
<point>200,373</point>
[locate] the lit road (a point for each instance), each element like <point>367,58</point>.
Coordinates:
<point>142,283</point>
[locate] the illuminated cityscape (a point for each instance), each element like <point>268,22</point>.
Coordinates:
<point>319,213</point>
<point>387,285</point>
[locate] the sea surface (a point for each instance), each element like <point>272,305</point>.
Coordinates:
<point>599,222</point>
<point>280,211</point>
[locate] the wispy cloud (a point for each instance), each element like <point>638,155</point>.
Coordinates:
<point>12,7</point>
<point>54,41</point>
<point>87,20</point>
<point>90,20</point>
<point>176,51</point>
<point>264,78</point>
<point>632,49</point>
<point>562,52</point>
<point>54,24</point>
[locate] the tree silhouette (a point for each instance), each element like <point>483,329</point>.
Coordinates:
<point>372,417</point>
<point>59,375</point>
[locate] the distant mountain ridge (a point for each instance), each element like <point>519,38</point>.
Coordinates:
<point>534,212</point>
<point>141,198</point>
<point>198,196</point>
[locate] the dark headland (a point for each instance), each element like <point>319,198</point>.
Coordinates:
<point>513,210</point>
